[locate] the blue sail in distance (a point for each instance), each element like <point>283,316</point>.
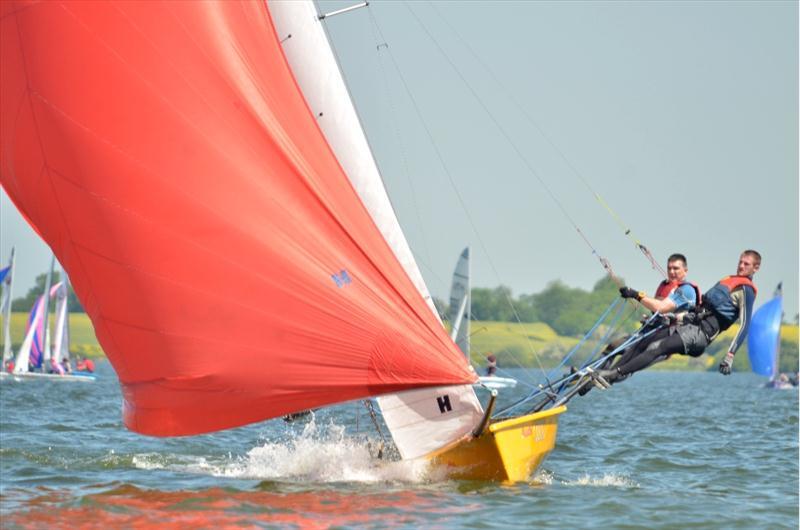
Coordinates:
<point>763,339</point>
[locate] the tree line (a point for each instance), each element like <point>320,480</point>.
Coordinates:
<point>570,311</point>
<point>25,303</point>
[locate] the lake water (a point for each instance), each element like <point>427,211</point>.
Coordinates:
<point>662,450</point>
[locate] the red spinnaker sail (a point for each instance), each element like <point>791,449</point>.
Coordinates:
<point>166,154</point>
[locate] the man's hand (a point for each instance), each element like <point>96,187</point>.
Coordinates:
<point>726,364</point>
<point>627,292</point>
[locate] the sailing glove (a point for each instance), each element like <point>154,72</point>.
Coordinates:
<point>726,364</point>
<point>627,292</point>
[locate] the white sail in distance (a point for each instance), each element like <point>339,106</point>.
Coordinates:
<point>461,303</point>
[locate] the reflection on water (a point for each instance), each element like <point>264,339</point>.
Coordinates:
<point>129,506</point>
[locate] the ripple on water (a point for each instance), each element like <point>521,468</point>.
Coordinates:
<point>658,451</point>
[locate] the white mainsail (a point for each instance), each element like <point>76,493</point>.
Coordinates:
<point>5,309</point>
<point>46,352</point>
<point>22,359</point>
<point>61,333</point>
<point>417,423</point>
<point>461,303</point>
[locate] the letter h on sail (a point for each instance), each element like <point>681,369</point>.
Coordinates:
<point>444,404</point>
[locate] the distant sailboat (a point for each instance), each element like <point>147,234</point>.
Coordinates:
<point>461,315</point>
<point>35,358</point>
<point>764,340</point>
<point>211,193</point>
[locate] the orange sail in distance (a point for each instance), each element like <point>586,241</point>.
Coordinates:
<point>166,154</point>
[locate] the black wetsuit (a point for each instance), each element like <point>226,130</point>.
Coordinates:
<point>664,342</point>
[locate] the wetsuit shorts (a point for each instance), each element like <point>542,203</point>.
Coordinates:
<point>697,337</point>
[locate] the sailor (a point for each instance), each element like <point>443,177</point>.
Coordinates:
<point>55,367</point>
<point>66,364</point>
<point>491,364</point>
<point>731,299</point>
<point>675,295</point>
<point>85,365</point>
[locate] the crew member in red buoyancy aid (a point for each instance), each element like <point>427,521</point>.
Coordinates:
<point>674,295</point>
<point>731,299</point>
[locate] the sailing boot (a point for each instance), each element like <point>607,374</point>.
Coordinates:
<point>610,376</point>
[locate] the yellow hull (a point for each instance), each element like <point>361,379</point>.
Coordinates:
<point>508,450</point>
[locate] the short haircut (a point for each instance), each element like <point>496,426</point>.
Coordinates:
<point>754,254</point>
<point>678,257</point>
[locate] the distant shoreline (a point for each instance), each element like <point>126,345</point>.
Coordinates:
<point>516,345</point>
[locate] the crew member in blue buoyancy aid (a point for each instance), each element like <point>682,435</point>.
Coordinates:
<point>675,295</point>
<point>731,299</point>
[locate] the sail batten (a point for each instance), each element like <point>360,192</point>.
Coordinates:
<point>193,215</point>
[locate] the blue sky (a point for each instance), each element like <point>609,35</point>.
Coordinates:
<point>683,116</point>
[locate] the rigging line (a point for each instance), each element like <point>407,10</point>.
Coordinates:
<point>603,261</point>
<point>586,336</point>
<point>637,337</point>
<point>449,175</point>
<point>396,126</point>
<point>627,231</point>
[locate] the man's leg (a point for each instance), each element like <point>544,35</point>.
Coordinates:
<point>661,343</point>
<point>613,345</point>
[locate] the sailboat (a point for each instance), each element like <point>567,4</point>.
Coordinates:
<point>200,171</point>
<point>35,358</point>
<point>764,340</point>
<point>460,316</point>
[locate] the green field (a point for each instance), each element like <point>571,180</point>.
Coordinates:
<point>83,342</point>
<point>513,344</point>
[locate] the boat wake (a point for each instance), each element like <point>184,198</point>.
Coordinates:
<point>315,455</point>
<point>608,479</point>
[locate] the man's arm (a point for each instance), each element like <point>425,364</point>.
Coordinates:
<point>746,302</point>
<point>746,298</point>
<point>683,297</point>
<point>667,305</point>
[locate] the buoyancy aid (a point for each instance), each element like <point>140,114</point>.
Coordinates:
<point>665,288</point>
<point>718,299</point>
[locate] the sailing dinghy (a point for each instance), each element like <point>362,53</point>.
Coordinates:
<point>199,170</point>
<point>34,358</point>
